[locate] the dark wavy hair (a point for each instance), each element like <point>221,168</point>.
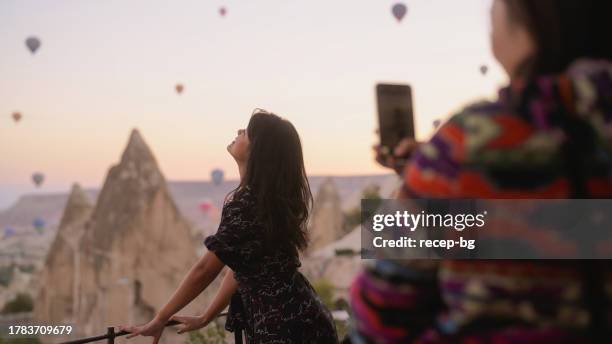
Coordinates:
<point>276,176</point>
<point>563,31</point>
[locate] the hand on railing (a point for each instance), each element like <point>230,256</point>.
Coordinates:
<point>131,330</point>
<point>153,328</point>
<point>110,335</point>
<point>189,323</point>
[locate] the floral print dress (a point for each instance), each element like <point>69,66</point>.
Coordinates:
<point>274,302</point>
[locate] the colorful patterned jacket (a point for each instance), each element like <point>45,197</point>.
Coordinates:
<point>550,137</point>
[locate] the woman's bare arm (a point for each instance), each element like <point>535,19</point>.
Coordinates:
<point>223,297</point>
<point>198,278</point>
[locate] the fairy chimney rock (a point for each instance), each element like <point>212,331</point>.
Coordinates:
<point>77,210</point>
<point>137,151</point>
<point>326,225</point>
<point>58,303</point>
<point>131,188</point>
<point>138,247</point>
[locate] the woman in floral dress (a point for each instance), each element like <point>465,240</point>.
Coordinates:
<point>263,227</point>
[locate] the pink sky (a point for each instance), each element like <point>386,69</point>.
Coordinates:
<point>105,67</point>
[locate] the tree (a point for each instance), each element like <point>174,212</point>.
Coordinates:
<point>352,218</point>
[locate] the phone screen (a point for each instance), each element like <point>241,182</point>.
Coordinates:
<point>395,116</point>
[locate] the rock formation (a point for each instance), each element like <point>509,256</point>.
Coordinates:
<point>327,220</point>
<point>325,264</point>
<point>57,299</point>
<point>136,249</point>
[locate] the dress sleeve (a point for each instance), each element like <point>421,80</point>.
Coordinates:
<point>231,241</point>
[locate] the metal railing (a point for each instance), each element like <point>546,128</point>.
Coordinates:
<point>111,334</point>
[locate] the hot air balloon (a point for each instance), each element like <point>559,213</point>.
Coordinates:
<point>484,69</point>
<point>206,206</point>
<point>38,178</point>
<point>179,88</point>
<point>217,176</point>
<point>33,43</point>
<point>399,11</point>
<point>39,224</point>
<point>436,123</point>
<point>8,232</point>
<point>222,11</point>
<point>17,116</point>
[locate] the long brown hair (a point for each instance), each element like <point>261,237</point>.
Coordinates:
<point>276,175</point>
<point>563,31</point>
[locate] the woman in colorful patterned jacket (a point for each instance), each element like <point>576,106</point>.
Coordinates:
<point>548,135</point>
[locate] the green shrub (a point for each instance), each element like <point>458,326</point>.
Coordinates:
<point>214,333</point>
<point>27,268</point>
<point>325,290</point>
<point>6,275</point>
<point>345,252</point>
<point>352,218</point>
<point>21,303</point>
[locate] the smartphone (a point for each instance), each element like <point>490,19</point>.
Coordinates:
<point>395,116</point>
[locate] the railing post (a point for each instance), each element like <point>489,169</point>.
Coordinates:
<point>111,335</point>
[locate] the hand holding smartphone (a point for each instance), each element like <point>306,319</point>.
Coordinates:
<point>395,121</point>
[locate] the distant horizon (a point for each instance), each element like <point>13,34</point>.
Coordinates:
<point>56,192</point>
